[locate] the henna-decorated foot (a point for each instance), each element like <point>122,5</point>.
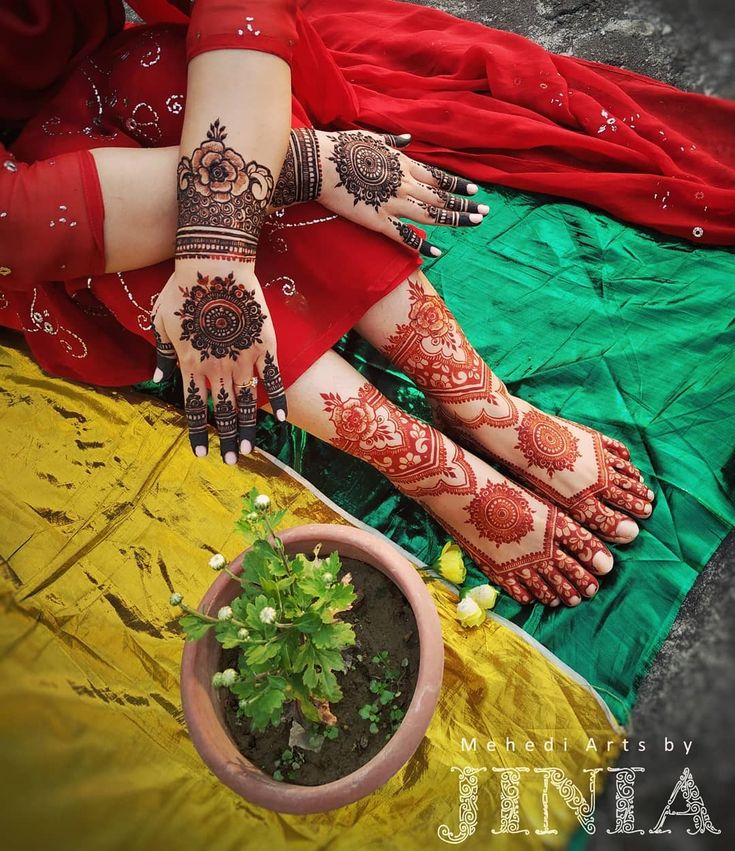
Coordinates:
<point>522,542</point>
<point>587,474</point>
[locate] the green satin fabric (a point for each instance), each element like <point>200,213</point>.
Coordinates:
<point>619,328</point>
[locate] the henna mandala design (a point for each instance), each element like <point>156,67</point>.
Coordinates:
<point>220,317</point>
<point>222,201</point>
<point>369,171</point>
<point>196,415</point>
<point>433,351</point>
<point>301,175</point>
<point>546,443</point>
<point>501,513</point>
<point>413,455</point>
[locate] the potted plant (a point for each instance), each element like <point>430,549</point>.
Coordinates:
<point>294,669</point>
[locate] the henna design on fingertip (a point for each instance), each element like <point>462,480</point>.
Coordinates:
<point>247,415</point>
<point>413,240</point>
<point>274,386</point>
<point>165,356</point>
<point>225,417</point>
<point>450,182</point>
<point>220,317</point>
<point>195,408</point>
<point>397,141</point>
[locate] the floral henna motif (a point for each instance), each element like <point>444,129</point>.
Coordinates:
<point>433,351</point>
<point>222,201</point>
<point>501,513</point>
<point>301,175</point>
<point>410,238</point>
<point>546,443</point>
<point>412,454</point>
<point>220,317</point>
<point>369,171</point>
<point>274,385</point>
<point>247,412</point>
<point>195,408</point>
<point>449,182</point>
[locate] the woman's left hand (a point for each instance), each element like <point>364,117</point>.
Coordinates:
<point>365,178</point>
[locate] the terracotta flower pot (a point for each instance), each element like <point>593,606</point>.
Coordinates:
<point>204,711</point>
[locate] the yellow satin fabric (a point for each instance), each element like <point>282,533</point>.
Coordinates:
<point>103,512</point>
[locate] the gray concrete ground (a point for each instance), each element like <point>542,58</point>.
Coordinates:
<point>689,693</point>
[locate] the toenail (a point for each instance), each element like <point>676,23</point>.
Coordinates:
<point>555,602</point>
<point>627,530</point>
<point>648,509</point>
<point>574,601</point>
<point>590,590</point>
<point>650,494</point>
<point>603,562</point>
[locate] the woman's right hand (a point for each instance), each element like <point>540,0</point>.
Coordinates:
<point>365,178</point>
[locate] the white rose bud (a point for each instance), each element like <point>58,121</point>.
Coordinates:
<point>175,599</point>
<point>262,502</point>
<point>229,675</point>
<point>243,634</point>
<point>469,613</point>
<point>217,562</point>
<point>224,614</point>
<point>484,595</point>
<point>267,614</point>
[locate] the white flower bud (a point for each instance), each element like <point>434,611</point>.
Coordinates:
<point>224,614</point>
<point>175,599</point>
<point>484,595</point>
<point>229,675</point>
<point>262,502</point>
<point>328,578</point>
<point>217,679</point>
<point>267,614</point>
<point>243,634</point>
<point>251,517</point>
<point>217,562</point>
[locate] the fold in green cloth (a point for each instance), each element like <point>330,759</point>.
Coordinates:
<point>618,328</point>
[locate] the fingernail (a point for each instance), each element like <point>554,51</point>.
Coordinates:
<point>603,562</point>
<point>230,458</point>
<point>200,451</point>
<point>246,447</point>
<point>590,590</point>
<point>483,208</point>
<point>158,375</point>
<point>280,415</point>
<point>575,600</point>
<point>627,530</point>
<point>404,135</point>
<point>472,188</point>
<point>475,218</point>
<point>435,252</point>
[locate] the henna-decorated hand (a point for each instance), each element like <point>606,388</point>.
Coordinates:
<point>364,178</point>
<point>218,328</point>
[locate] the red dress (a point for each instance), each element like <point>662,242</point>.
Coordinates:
<point>485,103</point>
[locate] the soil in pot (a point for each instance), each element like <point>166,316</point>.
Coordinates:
<point>383,621</point>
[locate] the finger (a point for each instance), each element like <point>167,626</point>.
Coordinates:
<point>449,182</point>
<point>225,418</point>
<point>165,352</point>
<point>195,407</point>
<point>439,216</point>
<point>273,384</point>
<point>401,232</point>
<point>247,414</point>
<point>396,141</point>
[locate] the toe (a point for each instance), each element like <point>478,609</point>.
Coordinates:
<point>583,581</point>
<point>559,583</point>
<point>627,530</point>
<point>514,588</point>
<point>633,486</point>
<point>623,466</point>
<point>602,519</point>
<point>627,501</point>
<point>616,447</point>
<point>585,547</point>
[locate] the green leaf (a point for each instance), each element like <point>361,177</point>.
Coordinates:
<point>310,677</point>
<point>260,653</point>
<point>373,727</point>
<point>386,697</point>
<point>308,622</point>
<point>366,711</point>
<point>194,627</point>
<point>266,706</point>
<point>337,635</point>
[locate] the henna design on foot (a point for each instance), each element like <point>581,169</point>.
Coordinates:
<point>501,513</point>
<point>369,171</point>
<point>412,454</point>
<point>195,408</point>
<point>220,317</point>
<point>546,443</point>
<point>222,201</point>
<point>301,175</point>
<point>225,417</point>
<point>431,349</point>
